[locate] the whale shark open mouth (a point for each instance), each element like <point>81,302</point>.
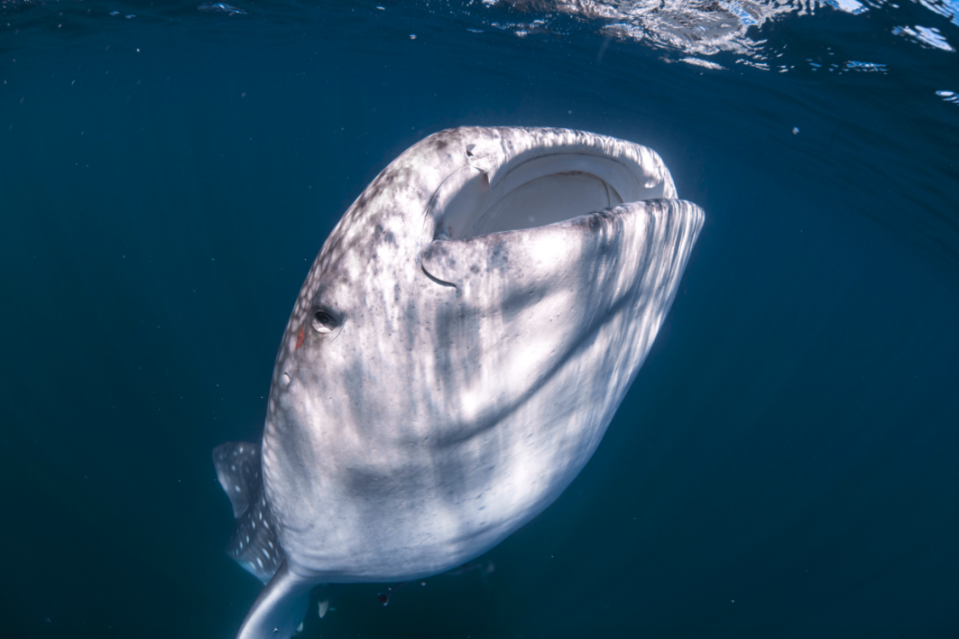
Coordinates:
<point>495,193</point>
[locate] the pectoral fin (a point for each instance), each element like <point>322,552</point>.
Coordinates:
<point>238,469</point>
<point>279,609</point>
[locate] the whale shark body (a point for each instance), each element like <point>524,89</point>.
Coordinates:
<point>453,359</point>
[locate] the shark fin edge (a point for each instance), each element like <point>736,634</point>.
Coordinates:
<point>279,609</point>
<point>238,469</point>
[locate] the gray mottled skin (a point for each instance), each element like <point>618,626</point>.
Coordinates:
<point>456,353</point>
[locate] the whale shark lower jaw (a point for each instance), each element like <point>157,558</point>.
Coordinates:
<point>457,351</point>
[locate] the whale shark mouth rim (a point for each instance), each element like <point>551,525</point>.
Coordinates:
<point>534,192</point>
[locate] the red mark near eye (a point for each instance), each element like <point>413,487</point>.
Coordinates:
<point>299,339</point>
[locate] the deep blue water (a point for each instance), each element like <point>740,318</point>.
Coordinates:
<point>786,463</point>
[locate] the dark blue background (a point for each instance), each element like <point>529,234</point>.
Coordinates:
<point>785,464</point>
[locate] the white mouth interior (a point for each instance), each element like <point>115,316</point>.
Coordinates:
<point>539,191</point>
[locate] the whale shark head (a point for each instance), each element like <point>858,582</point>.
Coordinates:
<point>454,357</point>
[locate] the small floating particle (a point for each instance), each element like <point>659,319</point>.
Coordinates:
<point>795,130</point>
<point>412,36</point>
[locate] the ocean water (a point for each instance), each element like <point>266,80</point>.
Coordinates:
<point>786,463</point>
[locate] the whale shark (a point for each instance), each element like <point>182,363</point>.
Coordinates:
<point>455,355</point>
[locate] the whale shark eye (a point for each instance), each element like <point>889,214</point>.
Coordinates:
<point>323,322</point>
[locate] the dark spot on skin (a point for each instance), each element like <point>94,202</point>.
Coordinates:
<point>382,235</point>
<point>435,251</point>
<point>657,204</point>
<point>498,257</point>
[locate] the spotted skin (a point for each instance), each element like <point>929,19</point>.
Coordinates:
<point>448,367</point>
<point>253,544</point>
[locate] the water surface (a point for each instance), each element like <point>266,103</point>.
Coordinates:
<point>784,465</point>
